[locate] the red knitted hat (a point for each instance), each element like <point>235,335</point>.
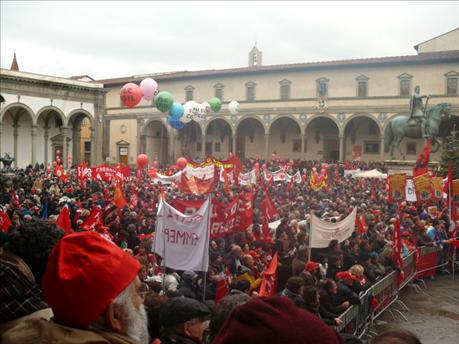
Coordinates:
<point>311,266</point>
<point>85,273</point>
<point>273,320</point>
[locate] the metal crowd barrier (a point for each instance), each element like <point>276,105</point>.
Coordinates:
<point>358,319</point>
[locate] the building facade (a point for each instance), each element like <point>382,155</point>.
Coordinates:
<point>333,110</point>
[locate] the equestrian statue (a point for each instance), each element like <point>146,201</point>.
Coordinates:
<point>421,123</point>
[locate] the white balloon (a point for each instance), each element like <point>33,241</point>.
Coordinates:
<point>187,112</point>
<point>206,106</point>
<point>233,107</point>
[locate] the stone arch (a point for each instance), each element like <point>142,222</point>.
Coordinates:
<point>364,114</point>
<point>23,106</point>
<point>322,138</point>
<point>362,138</point>
<point>18,133</point>
<point>245,117</point>
<point>323,115</point>
<point>48,109</point>
<point>79,130</point>
<point>224,118</point>
<point>250,139</point>
<point>219,137</point>
<point>154,141</point>
<point>189,141</point>
<point>76,113</point>
<point>280,117</point>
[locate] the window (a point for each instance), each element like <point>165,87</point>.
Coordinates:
<point>362,86</point>
<point>296,146</point>
<point>218,91</point>
<point>451,85</point>
<point>322,87</point>
<point>189,90</point>
<point>250,91</point>
<point>362,89</point>
<point>198,146</point>
<point>208,147</point>
<point>405,87</point>
<point>87,146</point>
<point>411,148</point>
<point>405,84</point>
<point>284,89</point>
<point>217,147</point>
<point>371,147</point>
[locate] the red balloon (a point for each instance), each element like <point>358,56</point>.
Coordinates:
<point>58,152</point>
<point>257,165</point>
<point>54,163</point>
<point>155,163</point>
<point>130,94</point>
<point>181,163</point>
<point>263,166</point>
<point>142,160</point>
<point>58,160</point>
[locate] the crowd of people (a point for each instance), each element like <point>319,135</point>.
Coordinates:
<point>104,284</point>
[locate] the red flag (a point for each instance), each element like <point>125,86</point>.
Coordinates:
<point>422,162</point>
<point>63,220</point>
<point>360,224</point>
<point>60,173</point>
<point>221,291</point>
<point>268,285</point>
<point>237,168</point>
<point>134,197</point>
<point>267,206</point>
<point>5,221</point>
<point>118,198</point>
<point>94,219</point>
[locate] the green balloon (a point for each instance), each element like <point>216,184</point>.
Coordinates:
<point>215,104</point>
<point>164,101</point>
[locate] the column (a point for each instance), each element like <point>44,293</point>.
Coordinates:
<point>381,148</point>
<point>266,147</point>
<point>76,134</point>
<point>341,148</point>
<point>171,154</point>
<point>64,134</point>
<point>0,138</point>
<point>233,147</point>
<point>92,138</point>
<point>15,143</point>
<point>45,128</point>
<point>303,152</point>
<point>33,134</point>
<point>203,139</point>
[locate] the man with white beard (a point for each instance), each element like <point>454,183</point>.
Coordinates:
<point>94,292</point>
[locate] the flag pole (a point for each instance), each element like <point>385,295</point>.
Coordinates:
<point>310,234</point>
<point>207,250</point>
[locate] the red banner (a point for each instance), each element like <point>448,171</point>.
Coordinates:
<point>244,214</point>
<point>268,285</point>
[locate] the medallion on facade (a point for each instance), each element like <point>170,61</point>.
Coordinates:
<point>303,117</point>
<point>382,116</point>
<point>266,118</point>
<point>233,119</point>
<point>341,117</point>
<point>321,104</point>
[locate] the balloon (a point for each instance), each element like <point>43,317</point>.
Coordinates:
<point>206,106</point>
<point>155,163</point>
<point>58,160</point>
<point>130,94</point>
<point>142,160</point>
<point>164,101</point>
<point>58,152</point>
<point>176,111</point>
<point>233,107</point>
<point>181,163</point>
<point>175,124</point>
<point>148,87</point>
<point>215,104</point>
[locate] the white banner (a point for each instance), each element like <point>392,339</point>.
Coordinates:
<point>296,177</point>
<point>183,240</point>
<point>410,191</point>
<point>163,179</point>
<point>322,232</point>
<point>248,178</point>
<point>205,172</point>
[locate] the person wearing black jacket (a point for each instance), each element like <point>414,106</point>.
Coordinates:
<point>345,289</point>
<point>312,304</point>
<point>328,299</point>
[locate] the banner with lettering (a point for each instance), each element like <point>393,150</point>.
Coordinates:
<point>322,232</point>
<point>166,180</point>
<point>397,185</point>
<point>437,187</point>
<point>183,240</point>
<point>249,178</point>
<point>205,170</point>
<point>423,188</point>
<point>410,192</point>
<point>244,214</point>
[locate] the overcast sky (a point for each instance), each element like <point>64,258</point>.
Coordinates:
<point>122,38</point>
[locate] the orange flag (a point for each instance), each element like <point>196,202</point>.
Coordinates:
<point>118,198</point>
<point>268,285</point>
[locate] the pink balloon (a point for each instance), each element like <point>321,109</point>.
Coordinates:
<point>181,163</point>
<point>155,163</point>
<point>148,87</point>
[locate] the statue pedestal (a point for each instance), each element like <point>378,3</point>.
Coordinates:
<point>406,166</point>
